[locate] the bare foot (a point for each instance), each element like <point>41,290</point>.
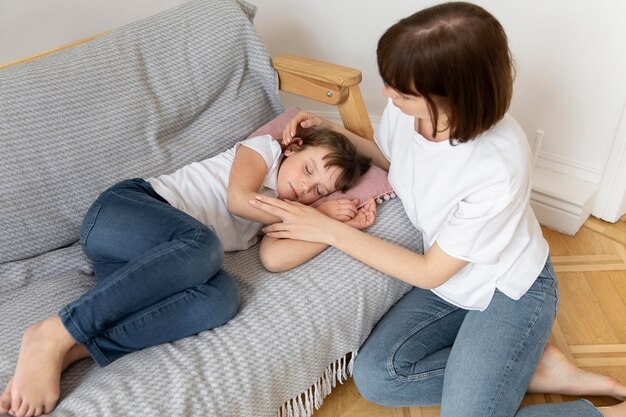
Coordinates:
<point>618,410</point>
<point>76,353</point>
<point>35,386</point>
<point>555,374</point>
<point>5,398</point>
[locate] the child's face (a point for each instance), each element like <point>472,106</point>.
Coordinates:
<point>302,176</point>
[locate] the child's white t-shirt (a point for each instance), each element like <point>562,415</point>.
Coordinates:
<point>200,190</point>
<point>473,199</point>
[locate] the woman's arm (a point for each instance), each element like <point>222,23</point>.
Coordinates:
<point>303,223</point>
<point>246,178</point>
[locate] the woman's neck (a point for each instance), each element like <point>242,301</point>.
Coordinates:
<point>425,128</point>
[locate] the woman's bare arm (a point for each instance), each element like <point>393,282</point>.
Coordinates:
<point>303,223</point>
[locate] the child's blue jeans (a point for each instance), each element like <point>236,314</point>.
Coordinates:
<point>158,272</point>
<point>426,351</point>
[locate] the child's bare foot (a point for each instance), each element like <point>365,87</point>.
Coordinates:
<point>618,410</point>
<point>76,353</point>
<point>5,398</point>
<point>555,374</point>
<point>35,386</point>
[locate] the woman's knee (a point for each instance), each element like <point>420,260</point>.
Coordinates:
<point>371,379</point>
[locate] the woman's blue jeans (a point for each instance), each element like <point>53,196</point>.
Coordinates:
<point>426,351</point>
<point>158,272</point>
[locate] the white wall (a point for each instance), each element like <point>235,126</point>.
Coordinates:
<point>570,56</point>
<point>28,27</point>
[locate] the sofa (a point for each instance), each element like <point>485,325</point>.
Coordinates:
<point>144,100</point>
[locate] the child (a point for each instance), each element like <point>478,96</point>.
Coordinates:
<point>157,247</point>
<point>471,335</point>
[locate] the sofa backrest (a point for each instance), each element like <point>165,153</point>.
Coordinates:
<point>140,101</point>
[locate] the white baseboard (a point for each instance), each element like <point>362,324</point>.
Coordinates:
<point>568,167</point>
<point>561,202</point>
<point>563,191</point>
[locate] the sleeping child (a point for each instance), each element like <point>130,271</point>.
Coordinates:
<point>157,247</point>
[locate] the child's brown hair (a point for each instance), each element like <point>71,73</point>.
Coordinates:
<point>342,154</point>
<point>455,55</point>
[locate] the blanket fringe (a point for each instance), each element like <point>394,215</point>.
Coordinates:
<point>305,403</point>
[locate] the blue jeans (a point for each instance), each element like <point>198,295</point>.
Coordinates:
<point>158,272</point>
<point>426,351</point>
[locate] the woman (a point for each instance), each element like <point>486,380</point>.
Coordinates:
<point>471,334</point>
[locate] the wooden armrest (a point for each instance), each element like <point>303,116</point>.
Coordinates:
<point>317,70</point>
<point>329,84</point>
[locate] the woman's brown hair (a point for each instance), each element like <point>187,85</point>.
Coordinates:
<point>456,56</point>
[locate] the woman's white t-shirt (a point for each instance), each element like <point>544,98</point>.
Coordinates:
<point>200,190</point>
<point>473,199</point>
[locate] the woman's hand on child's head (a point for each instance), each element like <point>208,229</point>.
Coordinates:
<point>365,216</point>
<point>300,122</point>
<point>342,210</point>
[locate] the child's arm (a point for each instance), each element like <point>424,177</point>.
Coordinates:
<point>246,178</point>
<point>278,255</point>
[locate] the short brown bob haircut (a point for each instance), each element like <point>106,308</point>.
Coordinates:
<point>454,55</point>
<point>342,154</point>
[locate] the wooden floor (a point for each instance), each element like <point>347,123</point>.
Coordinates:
<point>591,322</point>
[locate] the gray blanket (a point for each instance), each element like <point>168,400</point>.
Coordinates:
<point>144,100</point>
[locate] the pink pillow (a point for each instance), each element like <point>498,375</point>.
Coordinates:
<point>373,184</point>
<point>275,126</point>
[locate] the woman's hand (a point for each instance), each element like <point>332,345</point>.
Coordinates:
<point>300,122</point>
<point>299,222</point>
<point>342,210</point>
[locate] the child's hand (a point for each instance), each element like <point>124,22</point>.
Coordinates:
<point>365,216</point>
<point>342,210</point>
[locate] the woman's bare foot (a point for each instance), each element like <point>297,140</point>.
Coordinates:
<point>555,374</point>
<point>35,386</point>
<point>618,410</point>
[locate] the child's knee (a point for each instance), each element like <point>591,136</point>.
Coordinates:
<point>230,293</point>
<point>222,298</point>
